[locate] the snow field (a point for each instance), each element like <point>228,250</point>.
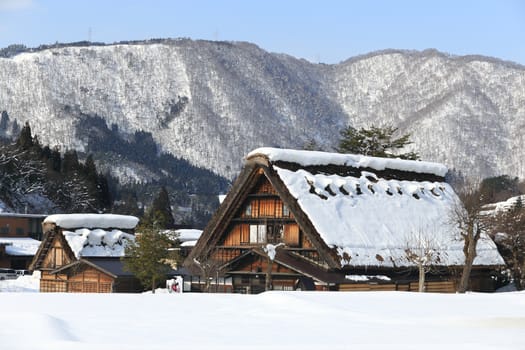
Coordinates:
<point>277,320</point>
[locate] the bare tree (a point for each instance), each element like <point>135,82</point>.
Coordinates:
<point>422,250</point>
<point>508,230</point>
<point>19,175</point>
<point>208,267</point>
<point>467,216</point>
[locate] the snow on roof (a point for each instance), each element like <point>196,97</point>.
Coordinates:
<point>185,235</point>
<point>312,158</point>
<point>370,221</point>
<point>19,215</point>
<point>93,221</point>
<point>494,208</point>
<point>98,242</point>
<point>366,278</point>
<point>188,244</point>
<point>20,246</point>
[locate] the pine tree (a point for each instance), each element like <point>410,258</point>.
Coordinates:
<point>160,213</point>
<point>4,122</point>
<point>376,142</point>
<point>15,128</point>
<point>25,139</point>
<point>147,258</point>
<point>91,169</point>
<point>70,162</point>
<point>104,195</point>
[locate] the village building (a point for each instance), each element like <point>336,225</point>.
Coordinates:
<point>20,236</point>
<point>326,221</point>
<point>82,253</point>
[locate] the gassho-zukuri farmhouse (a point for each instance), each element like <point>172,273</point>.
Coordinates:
<point>330,221</point>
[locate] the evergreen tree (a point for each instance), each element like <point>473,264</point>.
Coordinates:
<point>15,129</point>
<point>376,142</point>
<point>4,122</point>
<point>128,205</point>
<point>147,257</point>
<point>54,162</point>
<point>160,214</point>
<point>70,162</point>
<point>91,169</point>
<point>104,195</point>
<point>499,188</point>
<point>25,139</point>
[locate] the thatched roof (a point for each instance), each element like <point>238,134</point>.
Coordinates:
<point>356,210</point>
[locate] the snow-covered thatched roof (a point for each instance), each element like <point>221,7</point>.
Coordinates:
<point>98,242</point>
<point>92,235</point>
<point>314,158</point>
<point>371,220</point>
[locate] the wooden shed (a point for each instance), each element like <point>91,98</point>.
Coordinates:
<point>82,253</point>
<point>19,239</point>
<point>336,222</point>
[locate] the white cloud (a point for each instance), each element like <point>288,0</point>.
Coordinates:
<point>15,5</point>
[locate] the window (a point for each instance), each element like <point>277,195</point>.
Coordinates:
<point>286,211</point>
<point>19,231</point>
<point>248,210</point>
<point>4,230</point>
<point>257,233</point>
<point>275,233</point>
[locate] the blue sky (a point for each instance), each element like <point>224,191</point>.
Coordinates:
<point>326,31</point>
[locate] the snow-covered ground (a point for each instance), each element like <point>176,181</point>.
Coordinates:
<point>274,320</point>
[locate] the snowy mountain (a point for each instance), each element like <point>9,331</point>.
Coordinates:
<point>212,102</point>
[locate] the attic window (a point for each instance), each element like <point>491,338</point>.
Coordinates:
<point>434,192</point>
<point>415,195</point>
<point>343,190</point>
<point>248,210</point>
<point>371,188</point>
<point>399,190</point>
<point>358,189</point>
<point>313,190</point>
<point>286,211</point>
<point>389,192</point>
<point>329,190</point>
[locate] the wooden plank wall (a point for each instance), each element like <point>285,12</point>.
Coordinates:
<point>430,287</point>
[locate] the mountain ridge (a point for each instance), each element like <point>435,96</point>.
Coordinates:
<point>212,102</point>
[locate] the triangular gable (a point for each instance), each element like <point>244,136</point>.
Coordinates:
<point>52,240</point>
<point>245,183</point>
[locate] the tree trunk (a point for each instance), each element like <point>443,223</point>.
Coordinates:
<point>467,268</point>
<point>421,288</point>
<point>268,284</point>
<point>516,268</point>
<point>153,286</point>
